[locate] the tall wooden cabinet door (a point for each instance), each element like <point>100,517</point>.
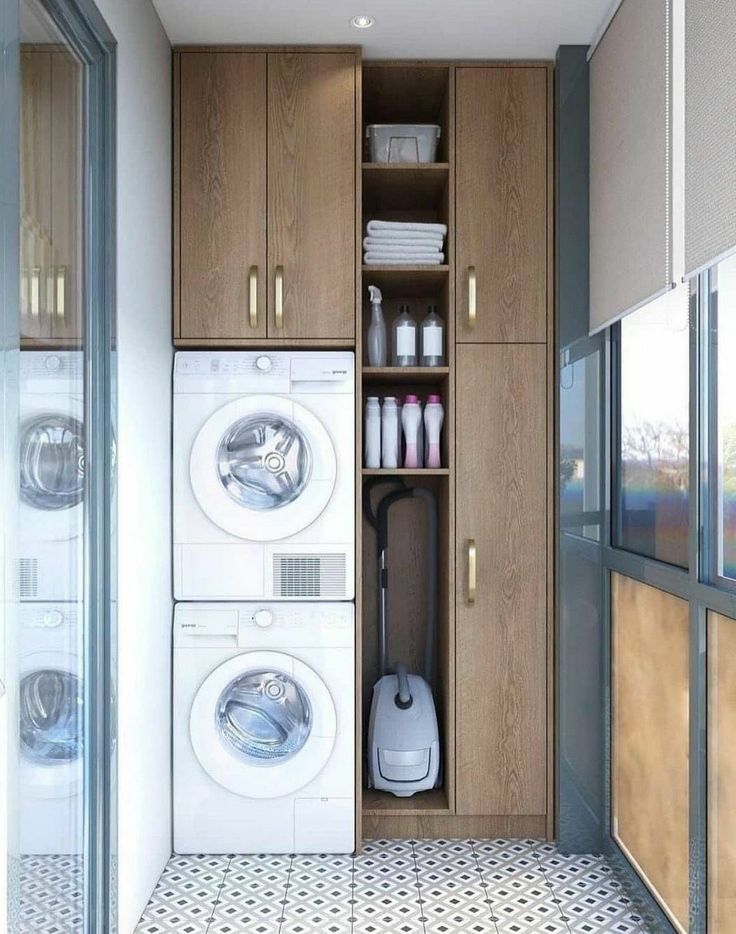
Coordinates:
<point>66,197</point>
<point>222,195</point>
<point>35,195</point>
<point>501,204</point>
<point>501,662</point>
<point>311,195</point>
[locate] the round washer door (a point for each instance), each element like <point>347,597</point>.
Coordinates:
<point>50,725</point>
<point>263,725</point>
<point>51,464</point>
<point>263,468</point>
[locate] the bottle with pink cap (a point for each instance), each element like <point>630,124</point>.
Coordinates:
<point>411,420</point>
<point>434,416</point>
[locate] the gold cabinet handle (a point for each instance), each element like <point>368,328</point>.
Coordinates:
<point>472,571</point>
<point>36,291</point>
<point>279,297</point>
<point>60,291</point>
<point>471,297</point>
<point>253,303</point>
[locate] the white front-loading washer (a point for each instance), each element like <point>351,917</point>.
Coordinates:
<point>51,465</point>
<point>264,725</point>
<point>264,475</point>
<point>50,728</point>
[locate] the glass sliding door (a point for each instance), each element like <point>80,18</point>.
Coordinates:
<point>56,392</point>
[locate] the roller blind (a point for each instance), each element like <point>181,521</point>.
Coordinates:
<point>710,132</point>
<point>630,162</point>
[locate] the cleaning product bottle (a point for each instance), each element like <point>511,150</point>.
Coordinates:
<point>434,415</point>
<point>372,432</point>
<point>377,353</point>
<point>433,339</point>
<point>404,339</point>
<point>389,433</point>
<point>411,419</point>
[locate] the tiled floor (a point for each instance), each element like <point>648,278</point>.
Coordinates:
<point>394,887</point>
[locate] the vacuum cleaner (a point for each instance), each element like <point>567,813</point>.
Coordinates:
<point>403,733</point>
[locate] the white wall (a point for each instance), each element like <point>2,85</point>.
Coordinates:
<point>144,428</point>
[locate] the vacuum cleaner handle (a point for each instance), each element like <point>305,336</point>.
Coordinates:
<point>369,485</point>
<point>430,501</point>
<point>403,699</point>
<point>382,539</point>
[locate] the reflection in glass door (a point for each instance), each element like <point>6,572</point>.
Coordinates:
<point>56,392</point>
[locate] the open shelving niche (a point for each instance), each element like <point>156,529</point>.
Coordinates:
<point>409,93</point>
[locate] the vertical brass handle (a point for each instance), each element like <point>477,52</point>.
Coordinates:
<point>472,571</point>
<point>471,297</point>
<point>60,291</point>
<point>36,291</point>
<point>253,304</point>
<point>279,297</point>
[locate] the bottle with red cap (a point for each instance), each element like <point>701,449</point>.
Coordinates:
<point>434,416</point>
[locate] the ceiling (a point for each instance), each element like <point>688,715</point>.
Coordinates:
<point>403,28</point>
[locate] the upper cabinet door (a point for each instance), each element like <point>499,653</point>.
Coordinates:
<point>501,204</point>
<point>222,195</point>
<point>311,195</point>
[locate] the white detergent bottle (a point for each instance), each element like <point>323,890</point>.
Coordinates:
<point>411,419</point>
<point>434,416</point>
<point>433,339</point>
<point>405,339</point>
<point>372,432</point>
<point>377,350</point>
<point>389,433</point>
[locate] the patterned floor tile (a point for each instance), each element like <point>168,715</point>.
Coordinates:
<point>318,897</point>
<point>251,899</point>
<point>391,887</point>
<point>185,896</point>
<point>50,894</point>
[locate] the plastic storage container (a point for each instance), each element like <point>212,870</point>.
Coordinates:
<point>402,142</point>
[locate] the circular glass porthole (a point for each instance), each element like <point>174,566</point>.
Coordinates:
<point>264,462</point>
<point>51,716</point>
<point>52,462</point>
<point>265,716</point>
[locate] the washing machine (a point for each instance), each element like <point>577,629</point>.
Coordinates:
<point>51,464</point>
<point>264,726</point>
<point>50,728</point>
<point>264,475</point>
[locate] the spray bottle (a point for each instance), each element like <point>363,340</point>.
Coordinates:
<point>377,350</point>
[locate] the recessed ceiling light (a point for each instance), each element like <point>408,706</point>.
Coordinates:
<point>362,22</point>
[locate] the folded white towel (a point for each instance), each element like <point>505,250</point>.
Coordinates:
<point>401,228</point>
<point>403,259</point>
<point>418,245</point>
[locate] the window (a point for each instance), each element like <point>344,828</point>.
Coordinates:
<point>724,318</point>
<point>653,430</point>
<point>580,446</point>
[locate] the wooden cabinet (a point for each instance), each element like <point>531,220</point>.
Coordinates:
<point>222,195</point>
<point>265,203</point>
<point>51,197</point>
<point>501,203</point>
<point>501,631</point>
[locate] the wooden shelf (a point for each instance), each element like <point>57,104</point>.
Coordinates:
<point>405,471</point>
<point>385,804</point>
<point>405,187</point>
<point>405,374</point>
<point>406,281</point>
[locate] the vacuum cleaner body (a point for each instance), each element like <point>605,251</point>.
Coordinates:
<point>403,741</point>
<point>403,734</point>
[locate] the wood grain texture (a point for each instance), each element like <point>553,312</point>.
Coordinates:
<point>35,191</point>
<point>452,826</point>
<point>66,195</point>
<point>222,193</point>
<point>311,192</point>
<point>721,774</point>
<point>650,736</point>
<point>501,669</point>
<point>502,202</point>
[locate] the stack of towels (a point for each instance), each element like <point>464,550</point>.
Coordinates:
<point>391,243</point>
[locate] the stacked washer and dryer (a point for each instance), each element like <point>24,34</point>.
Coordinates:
<point>49,587</point>
<point>264,635</point>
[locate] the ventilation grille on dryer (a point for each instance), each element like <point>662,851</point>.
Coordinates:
<point>309,575</point>
<point>27,580</point>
